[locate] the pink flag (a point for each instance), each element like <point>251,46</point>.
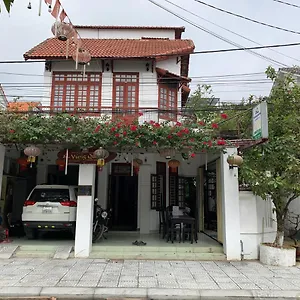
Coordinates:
<point>62,15</point>
<point>56,9</point>
<point>49,2</point>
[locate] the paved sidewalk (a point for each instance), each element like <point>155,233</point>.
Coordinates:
<point>100,279</point>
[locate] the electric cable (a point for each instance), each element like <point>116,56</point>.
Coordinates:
<point>228,30</point>
<point>218,36</point>
<point>287,3</point>
<point>246,18</point>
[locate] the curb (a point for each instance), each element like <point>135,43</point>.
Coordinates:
<point>67,293</point>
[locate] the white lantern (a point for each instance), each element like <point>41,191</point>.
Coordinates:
<point>63,31</point>
<point>32,152</point>
<point>101,154</point>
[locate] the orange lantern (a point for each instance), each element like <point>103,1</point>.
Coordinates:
<point>61,164</point>
<point>23,163</point>
<point>173,164</point>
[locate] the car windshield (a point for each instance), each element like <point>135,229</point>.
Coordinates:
<point>50,195</point>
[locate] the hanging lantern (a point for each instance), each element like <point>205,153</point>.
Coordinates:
<point>82,56</point>
<point>63,31</point>
<point>136,165</point>
<point>101,154</point>
<point>32,152</point>
<point>61,164</point>
<point>173,164</point>
<point>234,161</point>
<point>167,153</point>
<point>23,163</point>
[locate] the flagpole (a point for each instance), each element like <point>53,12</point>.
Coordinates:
<point>40,8</point>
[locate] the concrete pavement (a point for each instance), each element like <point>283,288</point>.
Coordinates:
<point>102,279</point>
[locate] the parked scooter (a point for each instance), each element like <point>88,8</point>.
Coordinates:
<point>100,222</point>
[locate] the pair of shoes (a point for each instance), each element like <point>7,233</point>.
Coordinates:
<point>139,243</point>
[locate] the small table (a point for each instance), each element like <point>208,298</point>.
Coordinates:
<point>183,220</point>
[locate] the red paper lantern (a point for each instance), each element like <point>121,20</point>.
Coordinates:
<point>23,163</point>
<point>61,164</point>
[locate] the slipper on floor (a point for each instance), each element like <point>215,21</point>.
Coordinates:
<point>141,243</point>
<point>136,243</point>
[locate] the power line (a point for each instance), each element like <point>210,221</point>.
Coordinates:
<point>238,46</point>
<point>235,33</point>
<point>287,3</point>
<point>246,18</point>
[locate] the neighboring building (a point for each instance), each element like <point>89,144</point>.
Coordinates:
<point>141,69</point>
<point>24,106</point>
<point>3,99</point>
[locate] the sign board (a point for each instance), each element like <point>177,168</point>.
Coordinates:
<point>260,121</point>
<point>84,157</point>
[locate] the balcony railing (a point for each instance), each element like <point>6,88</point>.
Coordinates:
<point>145,114</point>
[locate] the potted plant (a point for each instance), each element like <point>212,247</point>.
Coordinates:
<point>273,169</point>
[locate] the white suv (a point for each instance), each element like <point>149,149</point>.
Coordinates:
<point>50,208</point>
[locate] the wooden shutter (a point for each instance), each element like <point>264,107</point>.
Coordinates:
<point>157,191</point>
<point>181,191</point>
<point>173,190</point>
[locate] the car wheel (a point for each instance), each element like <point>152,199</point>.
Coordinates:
<point>31,234</point>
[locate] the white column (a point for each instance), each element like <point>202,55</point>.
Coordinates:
<point>85,206</point>
<point>231,208</point>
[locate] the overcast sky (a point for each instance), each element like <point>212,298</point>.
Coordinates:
<point>23,29</point>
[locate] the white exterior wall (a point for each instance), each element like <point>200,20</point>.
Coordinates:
<point>126,33</point>
<point>256,222</point>
<point>230,205</point>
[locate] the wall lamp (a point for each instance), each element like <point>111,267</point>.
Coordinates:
<point>234,161</point>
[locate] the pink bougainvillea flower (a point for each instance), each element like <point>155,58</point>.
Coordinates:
<point>117,135</point>
<point>202,123</point>
<point>193,155</point>
<point>224,116</point>
<point>97,129</point>
<point>221,142</point>
<point>124,133</point>
<point>141,114</point>
<point>69,128</point>
<point>113,129</point>
<point>12,131</point>
<point>154,142</point>
<point>115,142</point>
<point>214,125</point>
<point>169,136</point>
<point>178,124</point>
<point>133,127</point>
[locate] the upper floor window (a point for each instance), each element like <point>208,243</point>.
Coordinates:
<point>167,102</point>
<point>71,91</point>
<point>126,93</point>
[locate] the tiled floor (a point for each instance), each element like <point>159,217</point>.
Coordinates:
<point>147,274</point>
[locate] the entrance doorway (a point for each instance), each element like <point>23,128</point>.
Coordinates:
<point>123,198</point>
<point>210,201</point>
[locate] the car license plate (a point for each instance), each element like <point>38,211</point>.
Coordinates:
<point>47,210</point>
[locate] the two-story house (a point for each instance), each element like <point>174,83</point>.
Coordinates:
<point>139,72</point>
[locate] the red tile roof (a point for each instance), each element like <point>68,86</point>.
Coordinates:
<point>113,48</point>
<point>178,30</point>
<point>166,73</point>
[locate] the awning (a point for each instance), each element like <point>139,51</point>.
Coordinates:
<point>163,73</point>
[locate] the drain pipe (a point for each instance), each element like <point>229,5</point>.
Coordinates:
<point>242,250</point>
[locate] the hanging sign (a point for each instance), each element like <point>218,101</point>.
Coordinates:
<point>83,157</point>
<point>260,121</point>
